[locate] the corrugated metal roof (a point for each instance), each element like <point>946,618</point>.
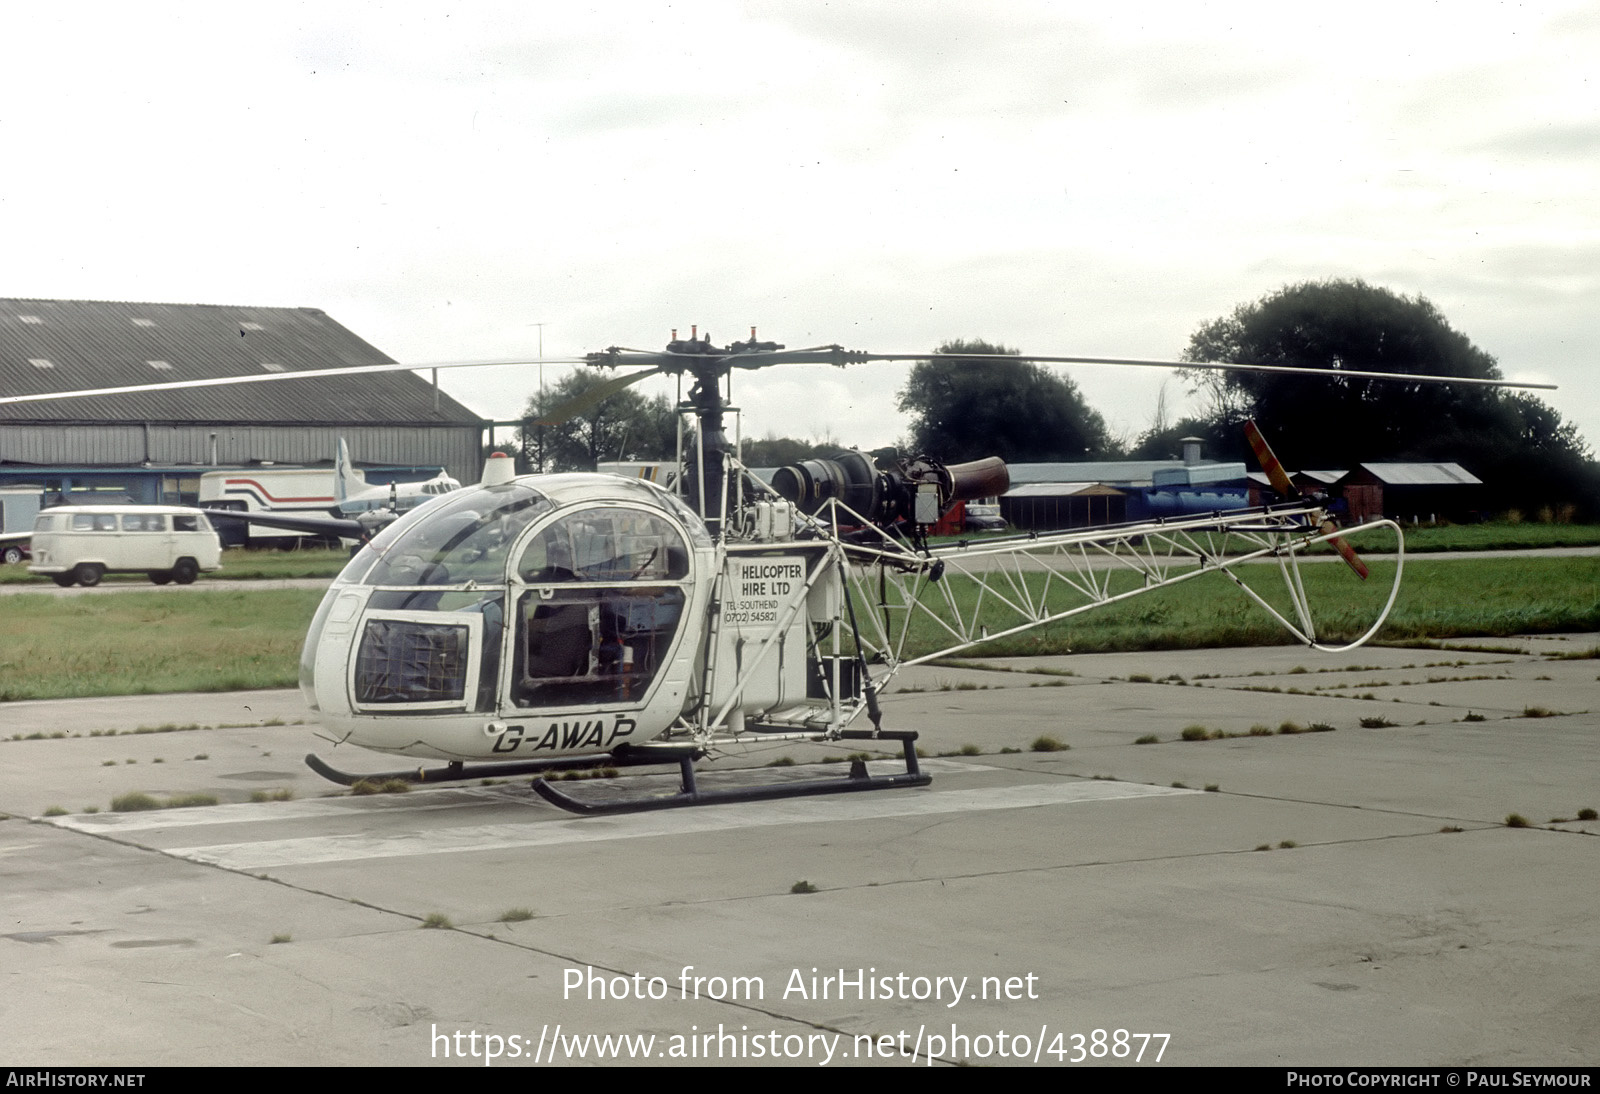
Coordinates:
<point>1115,472</point>
<point>1200,474</point>
<point>92,344</point>
<point>1326,478</point>
<point>1422,474</point>
<point>1061,489</point>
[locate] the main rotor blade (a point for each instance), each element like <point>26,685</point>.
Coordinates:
<point>593,397</point>
<point>271,377</point>
<point>852,357</point>
<point>840,357</point>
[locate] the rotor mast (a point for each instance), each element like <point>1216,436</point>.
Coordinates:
<point>707,366</point>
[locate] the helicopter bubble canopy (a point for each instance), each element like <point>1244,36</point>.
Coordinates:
<point>528,595</point>
<point>463,537</point>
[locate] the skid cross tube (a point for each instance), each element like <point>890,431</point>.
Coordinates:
<point>690,793</point>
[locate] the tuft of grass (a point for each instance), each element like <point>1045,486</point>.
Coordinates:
<point>55,811</point>
<point>1588,815</point>
<point>1291,727</point>
<point>1212,788</point>
<point>1179,785</point>
<point>781,761</point>
<point>282,794</point>
<point>280,939</point>
<point>375,786</point>
<point>1196,733</point>
<point>1259,730</point>
<point>1452,828</point>
<point>1474,717</point>
<point>437,921</point>
<point>970,750</point>
<point>1379,722</point>
<point>1141,678</point>
<point>1539,712</point>
<point>1287,845</point>
<point>1148,739</point>
<point>1263,847</point>
<point>1046,743</point>
<point>1516,820</point>
<point>1009,751</point>
<point>802,886</point>
<point>134,802</point>
<point>516,915</point>
<point>189,801</point>
<point>611,772</point>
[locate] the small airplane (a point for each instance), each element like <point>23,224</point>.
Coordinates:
<point>358,511</point>
<point>538,623</point>
<point>353,495</point>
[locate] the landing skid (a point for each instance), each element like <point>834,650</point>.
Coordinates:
<point>691,794</point>
<point>457,771</point>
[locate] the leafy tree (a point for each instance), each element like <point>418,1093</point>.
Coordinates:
<point>967,409</point>
<point>1515,442</point>
<point>775,451</point>
<point>625,426</point>
<point>1218,441</point>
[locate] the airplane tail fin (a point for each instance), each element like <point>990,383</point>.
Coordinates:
<point>346,480</point>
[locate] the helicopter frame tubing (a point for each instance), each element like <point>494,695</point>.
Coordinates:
<point>1020,584</point>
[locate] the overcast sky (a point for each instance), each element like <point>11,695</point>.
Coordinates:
<point>1066,178</point>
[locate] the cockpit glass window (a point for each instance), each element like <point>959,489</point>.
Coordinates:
<point>609,544</point>
<point>462,537</point>
<point>592,645</point>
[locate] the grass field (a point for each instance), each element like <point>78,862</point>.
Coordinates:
<point>1438,599</point>
<point>157,642</point>
<point>144,643</point>
<point>1491,536</point>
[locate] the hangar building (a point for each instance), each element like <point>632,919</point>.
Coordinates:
<point>394,419</point>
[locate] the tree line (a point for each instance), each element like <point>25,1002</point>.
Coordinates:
<point>963,408</point>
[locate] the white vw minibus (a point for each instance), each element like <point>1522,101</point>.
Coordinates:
<point>79,544</point>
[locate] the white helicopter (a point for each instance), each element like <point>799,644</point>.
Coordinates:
<point>543,622</point>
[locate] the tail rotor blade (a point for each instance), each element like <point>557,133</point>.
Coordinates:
<point>1346,552</point>
<point>1269,462</point>
<point>1287,490</point>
